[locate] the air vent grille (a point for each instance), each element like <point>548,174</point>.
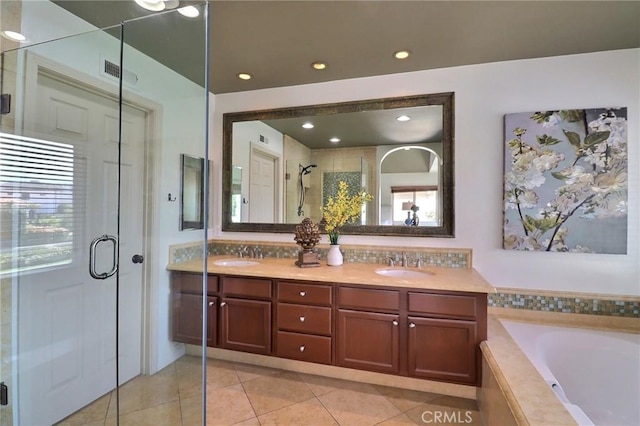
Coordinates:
<point>111,69</point>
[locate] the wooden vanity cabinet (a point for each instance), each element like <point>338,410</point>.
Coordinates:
<point>445,331</point>
<point>245,314</point>
<point>368,335</point>
<point>304,321</point>
<point>187,308</point>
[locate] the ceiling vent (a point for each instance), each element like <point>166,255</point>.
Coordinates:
<point>111,70</point>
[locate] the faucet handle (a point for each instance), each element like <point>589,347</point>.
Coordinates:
<point>392,262</point>
<point>419,262</point>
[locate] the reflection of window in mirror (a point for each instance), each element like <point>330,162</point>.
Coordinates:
<point>420,202</point>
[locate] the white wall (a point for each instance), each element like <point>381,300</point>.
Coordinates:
<point>483,94</point>
<point>180,129</point>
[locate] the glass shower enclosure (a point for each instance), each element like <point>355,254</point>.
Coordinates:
<point>90,147</point>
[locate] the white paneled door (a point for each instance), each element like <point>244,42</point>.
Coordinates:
<point>66,319</point>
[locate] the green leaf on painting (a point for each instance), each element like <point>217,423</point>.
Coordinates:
<point>542,225</point>
<point>541,116</point>
<point>572,115</point>
<point>574,139</point>
<point>559,175</point>
<point>546,140</point>
<point>596,137</point>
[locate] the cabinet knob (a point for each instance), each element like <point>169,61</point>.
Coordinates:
<point>302,348</point>
<point>412,325</point>
<point>395,322</point>
<point>222,304</point>
<point>210,303</point>
<point>303,293</point>
<point>302,319</point>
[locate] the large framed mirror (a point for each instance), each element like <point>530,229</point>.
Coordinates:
<point>281,165</point>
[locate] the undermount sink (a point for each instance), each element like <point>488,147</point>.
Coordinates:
<point>402,273</point>
<point>235,262</point>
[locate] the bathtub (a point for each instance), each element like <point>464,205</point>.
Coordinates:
<point>596,374</point>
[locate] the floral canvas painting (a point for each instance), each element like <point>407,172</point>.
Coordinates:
<point>565,181</point>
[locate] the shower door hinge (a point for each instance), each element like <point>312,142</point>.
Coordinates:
<point>4,394</point>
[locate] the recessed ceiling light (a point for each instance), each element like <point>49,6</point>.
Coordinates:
<point>189,11</point>
<point>152,5</point>
<point>15,36</point>
<point>403,118</point>
<point>308,125</point>
<point>334,140</point>
<point>244,76</point>
<point>401,54</point>
<point>319,65</point>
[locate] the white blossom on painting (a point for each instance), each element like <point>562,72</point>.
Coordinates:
<point>565,181</point>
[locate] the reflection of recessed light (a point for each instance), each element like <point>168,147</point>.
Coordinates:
<point>153,5</point>
<point>401,54</point>
<point>189,11</point>
<point>334,140</point>
<point>319,65</point>
<point>403,118</point>
<point>308,125</point>
<point>244,76</point>
<point>15,36</point>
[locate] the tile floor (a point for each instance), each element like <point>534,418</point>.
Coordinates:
<point>241,394</point>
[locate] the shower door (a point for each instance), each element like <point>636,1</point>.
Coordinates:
<point>72,160</point>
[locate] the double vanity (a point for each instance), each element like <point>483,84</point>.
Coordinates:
<point>423,323</point>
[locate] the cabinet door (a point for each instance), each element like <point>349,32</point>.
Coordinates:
<point>187,319</point>
<point>246,325</point>
<point>443,349</point>
<point>368,341</point>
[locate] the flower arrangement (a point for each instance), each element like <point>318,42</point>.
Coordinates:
<point>342,209</point>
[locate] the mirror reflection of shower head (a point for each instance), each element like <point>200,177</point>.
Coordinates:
<point>306,170</point>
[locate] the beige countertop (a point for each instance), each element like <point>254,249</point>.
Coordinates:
<point>452,279</point>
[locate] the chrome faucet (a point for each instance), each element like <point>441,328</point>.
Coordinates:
<point>405,260</point>
<point>392,262</point>
<point>419,262</point>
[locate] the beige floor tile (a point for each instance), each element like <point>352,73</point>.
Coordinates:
<point>145,392</point>
<point>405,399</point>
<point>452,401</point>
<point>249,372</point>
<point>310,412</point>
<point>191,410</point>
<point>320,385</point>
<point>400,420</point>
<point>250,422</point>
<point>96,411</point>
<point>349,407</point>
<point>228,406</point>
<point>160,415</point>
<point>219,374</point>
<point>270,393</point>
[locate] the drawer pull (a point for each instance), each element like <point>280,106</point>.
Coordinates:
<point>302,348</point>
<point>303,293</point>
<point>395,322</point>
<point>222,304</point>
<point>210,303</point>
<point>412,325</point>
<point>302,319</point>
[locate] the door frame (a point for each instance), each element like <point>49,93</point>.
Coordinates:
<point>35,64</point>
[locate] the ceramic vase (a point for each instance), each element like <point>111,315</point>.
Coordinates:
<point>334,255</point>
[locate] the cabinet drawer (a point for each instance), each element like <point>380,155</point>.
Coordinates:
<point>305,319</point>
<point>304,347</point>
<point>443,304</point>
<point>304,293</point>
<point>192,283</point>
<point>349,297</point>
<point>252,287</point>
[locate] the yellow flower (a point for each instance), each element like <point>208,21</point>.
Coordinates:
<point>342,209</point>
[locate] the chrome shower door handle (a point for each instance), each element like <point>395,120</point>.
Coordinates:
<point>92,257</point>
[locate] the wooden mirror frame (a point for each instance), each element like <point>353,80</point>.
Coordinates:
<point>446,100</point>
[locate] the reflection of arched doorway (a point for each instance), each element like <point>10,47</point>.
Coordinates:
<point>410,176</point>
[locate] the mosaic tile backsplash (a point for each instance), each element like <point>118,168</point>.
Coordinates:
<point>441,257</point>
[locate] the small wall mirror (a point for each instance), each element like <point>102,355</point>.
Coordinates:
<point>281,165</point>
<point>191,192</point>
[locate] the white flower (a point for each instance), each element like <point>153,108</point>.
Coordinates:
<point>552,120</point>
